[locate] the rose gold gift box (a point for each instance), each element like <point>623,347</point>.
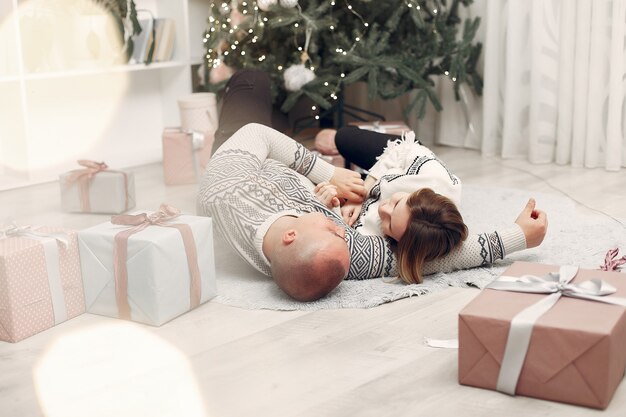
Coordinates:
<point>183,160</point>
<point>26,287</point>
<point>577,351</point>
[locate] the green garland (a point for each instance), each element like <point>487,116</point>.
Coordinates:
<point>125,14</point>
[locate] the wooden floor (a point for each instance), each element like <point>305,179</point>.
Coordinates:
<point>222,361</point>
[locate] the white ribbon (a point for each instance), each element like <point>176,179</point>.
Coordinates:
<point>441,343</point>
<point>555,284</point>
<point>51,254</point>
<point>197,140</point>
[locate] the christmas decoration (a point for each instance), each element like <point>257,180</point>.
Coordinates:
<point>266,4</point>
<point>236,18</point>
<point>220,73</point>
<point>125,14</point>
<point>314,48</point>
<point>289,3</point>
<point>296,76</point>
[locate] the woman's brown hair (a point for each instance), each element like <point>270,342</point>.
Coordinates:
<point>435,228</point>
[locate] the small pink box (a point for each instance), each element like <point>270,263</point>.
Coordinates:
<point>185,155</point>
<point>577,351</point>
<point>36,291</point>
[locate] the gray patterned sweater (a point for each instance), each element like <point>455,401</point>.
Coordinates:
<point>259,175</point>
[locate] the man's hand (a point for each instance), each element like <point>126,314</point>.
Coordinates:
<point>327,194</point>
<point>534,224</point>
<point>350,212</point>
<point>349,185</point>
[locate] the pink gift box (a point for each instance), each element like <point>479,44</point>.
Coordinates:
<point>40,283</point>
<point>577,349</point>
<point>185,155</point>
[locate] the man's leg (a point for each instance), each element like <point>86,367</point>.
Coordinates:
<point>360,146</point>
<point>247,99</point>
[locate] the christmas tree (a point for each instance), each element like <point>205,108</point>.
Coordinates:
<point>314,48</point>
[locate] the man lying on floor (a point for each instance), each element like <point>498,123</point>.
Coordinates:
<point>258,188</point>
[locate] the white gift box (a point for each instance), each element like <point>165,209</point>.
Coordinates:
<point>159,281</point>
<point>108,192</point>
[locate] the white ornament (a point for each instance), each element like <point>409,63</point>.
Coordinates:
<point>296,76</point>
<point>289,3</point>
<point>265,4</point>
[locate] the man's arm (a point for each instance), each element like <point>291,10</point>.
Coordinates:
<point>266,143</point>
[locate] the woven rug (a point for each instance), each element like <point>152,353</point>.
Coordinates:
<point>574,237</point>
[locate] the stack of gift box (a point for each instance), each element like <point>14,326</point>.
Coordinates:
<point>149,267</point>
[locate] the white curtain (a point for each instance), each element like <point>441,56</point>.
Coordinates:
<point>555,76</point>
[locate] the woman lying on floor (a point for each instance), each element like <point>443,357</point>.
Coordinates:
<point>412,197</point>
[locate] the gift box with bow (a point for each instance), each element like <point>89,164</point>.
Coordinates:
<point>97,189</point>
<point>40,281</point>
<point>148,268</point>
<point>557,333</point>
<point>185,155</point>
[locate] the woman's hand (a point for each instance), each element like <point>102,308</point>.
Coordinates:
<point>350,212</point>
<point>534,224</point>
<point>327,194</point>
<point>349,185</point>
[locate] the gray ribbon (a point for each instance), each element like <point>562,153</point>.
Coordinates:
<point>555,284</point>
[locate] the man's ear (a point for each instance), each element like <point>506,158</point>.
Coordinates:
<point>289,236</point>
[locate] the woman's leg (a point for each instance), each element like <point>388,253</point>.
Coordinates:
<point>360,146</point>
<point>247,99</point>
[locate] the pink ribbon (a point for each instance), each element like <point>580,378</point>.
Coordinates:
<point>84,177</point>
<point>610,263</point>
<point>120,252</point>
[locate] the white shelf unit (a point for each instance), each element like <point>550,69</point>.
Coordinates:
<point>50,116</point>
